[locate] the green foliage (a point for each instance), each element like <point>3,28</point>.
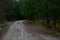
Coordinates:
<point>15,13</point>
<point>39,8</point>
<point>31,9</point>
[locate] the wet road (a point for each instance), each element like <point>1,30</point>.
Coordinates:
<point>20,31</point>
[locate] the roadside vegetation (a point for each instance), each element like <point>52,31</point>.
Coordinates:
<point>3,24</point>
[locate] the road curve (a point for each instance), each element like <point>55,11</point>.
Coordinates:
<point>17,31</point>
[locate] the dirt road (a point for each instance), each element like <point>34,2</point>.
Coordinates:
<point>20,31</point>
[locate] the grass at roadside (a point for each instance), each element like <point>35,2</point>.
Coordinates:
<point>58,28</point>
<point>3,24</point>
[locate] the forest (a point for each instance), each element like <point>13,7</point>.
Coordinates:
<point>46,11</point>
